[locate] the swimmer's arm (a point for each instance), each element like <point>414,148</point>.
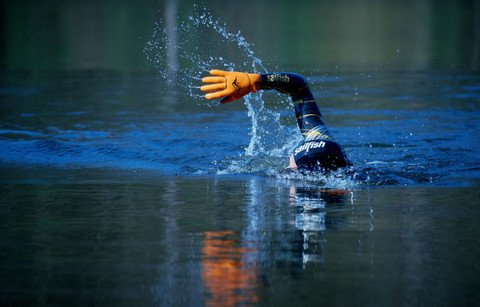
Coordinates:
<point>297,87</point>
<point>306,109</point>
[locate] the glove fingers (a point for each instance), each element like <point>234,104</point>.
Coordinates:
<point>218,72</point>
<point>213,80</point>
<point>216,95</point>
<point>228,85</point>
<point>213,87</point>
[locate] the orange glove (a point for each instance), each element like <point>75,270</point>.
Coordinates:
<point>230,85</point>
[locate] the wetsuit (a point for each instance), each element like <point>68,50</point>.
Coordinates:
<point>319,150</point>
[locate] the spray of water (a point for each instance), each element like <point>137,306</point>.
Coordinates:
<point>185,50</point>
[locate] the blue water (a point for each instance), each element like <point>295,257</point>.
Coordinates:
<point>398,128</point>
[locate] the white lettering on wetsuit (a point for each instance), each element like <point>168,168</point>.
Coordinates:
<point>278,78</point>
<point>309,145</point>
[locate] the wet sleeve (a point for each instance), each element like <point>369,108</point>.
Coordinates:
<point>308,115</point>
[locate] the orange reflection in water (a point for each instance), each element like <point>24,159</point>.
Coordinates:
<point>227,275</point>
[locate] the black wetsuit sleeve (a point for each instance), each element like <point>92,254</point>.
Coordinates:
<point>308,115</point>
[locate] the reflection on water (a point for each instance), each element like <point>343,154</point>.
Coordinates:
<point>230,275</point>
<point>311,217</point>
<point>236,240</point>
<point>233,261</point>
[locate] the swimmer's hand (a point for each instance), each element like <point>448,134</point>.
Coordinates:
<point>230,85</point>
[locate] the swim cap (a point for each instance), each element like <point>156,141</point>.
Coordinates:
<point>320,155</point>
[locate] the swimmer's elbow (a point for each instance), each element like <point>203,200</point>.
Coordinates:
<point>298,79</point>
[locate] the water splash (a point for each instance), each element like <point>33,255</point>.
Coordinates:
<point>186,49</point>
<point>201,42</point>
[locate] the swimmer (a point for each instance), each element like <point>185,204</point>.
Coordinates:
<point>319,151</point>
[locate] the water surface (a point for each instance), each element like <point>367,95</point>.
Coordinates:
<point>237,239</point>
<point>123,186</point>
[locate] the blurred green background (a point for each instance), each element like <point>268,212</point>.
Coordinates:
<point>110,35</point>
